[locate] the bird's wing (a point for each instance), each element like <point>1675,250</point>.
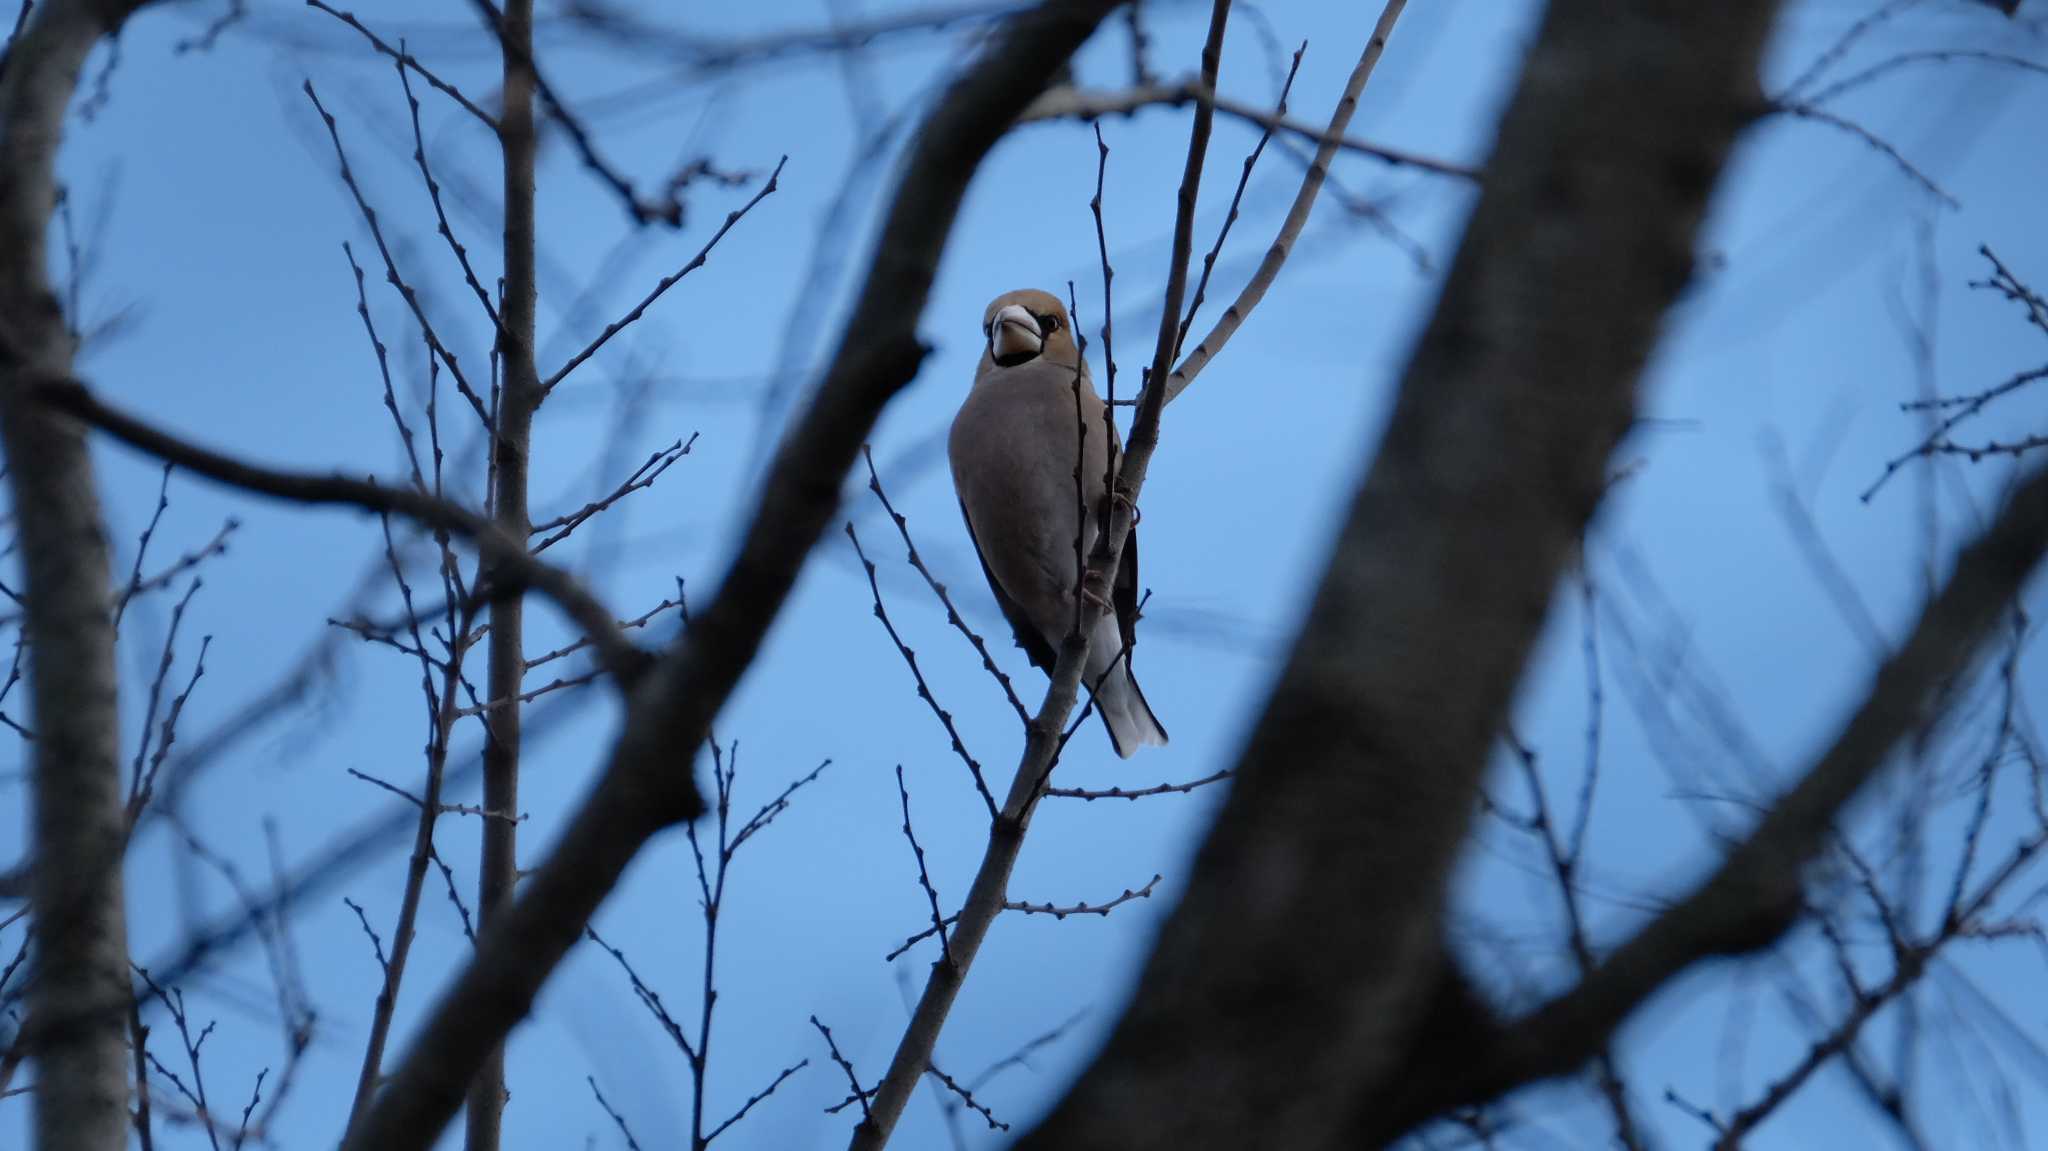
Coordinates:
<point>1035,647</point>
<point>1124,596</point>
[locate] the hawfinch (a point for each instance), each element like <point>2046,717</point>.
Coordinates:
<point>1012,449</point>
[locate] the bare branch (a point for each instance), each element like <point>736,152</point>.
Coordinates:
<point>968,1098</point>
<point>520,57</point>
<point>618,654</point>
<point>649,998</point>
<point>953,617</point>
<point>406,60</point>
<point>708,54</point>
<point>1138,792</point>
<point>163,502</point>
<point>764,1093</point>
<point>406,291</point>
<point>1957,409</point>
<point>924,877</point>
<point>1070,103</point>
<point>574,646</point>
<point>860,1094</point>
<point>1755,893</point>
<point>924,691</point>
<point>1877,143</point>
<point>1903,60</point>
<point>772,808</point>
<point>643,477</point>
<point>1102,909</point>
<point>1244,178</point>
<point>419,157</point>
<point>662,286</point>
<point>1297,213</point>
<point>632,1143</point>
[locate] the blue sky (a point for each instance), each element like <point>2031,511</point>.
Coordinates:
<point>212,218</point>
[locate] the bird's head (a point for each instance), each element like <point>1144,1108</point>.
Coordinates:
<point>1028,325</point>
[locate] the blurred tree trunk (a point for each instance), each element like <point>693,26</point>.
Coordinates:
<point>78,999</point>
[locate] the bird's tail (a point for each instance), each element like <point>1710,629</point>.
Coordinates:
<point>1125,713</point>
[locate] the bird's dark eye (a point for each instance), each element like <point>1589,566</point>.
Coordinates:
<point>1049,323</point>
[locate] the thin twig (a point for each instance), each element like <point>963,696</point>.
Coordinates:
<point>519,56</point>
<point>643,477</point>
<point>1136,793</point>
<point>419,157</point>
<point>953,616</point>
<point>968,1098</point>
<point>758,1096</point>
<point>1068,103</point>
<point>649,998</point>
<point>1297,214</point>
<point>860,1094</point>
<point>407,60</point>
<point>924,876</point>
<point>1877,143</point>
<point>405,290</point>
<point>664,284</point>
<point>617,1118</point>
<point>163,501</point>
<point>924,691</point>
<point>617,653</point>
<point>1244,177</point>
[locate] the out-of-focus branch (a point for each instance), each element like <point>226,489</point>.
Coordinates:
<point>517,42</point>
<point>1262,1017</point>
<point>1070,103</point>
<point>515,568</point>
<point>707,54</point>
<point>646,784</point>
<point>1756,892</point>
<point>78,1003</point>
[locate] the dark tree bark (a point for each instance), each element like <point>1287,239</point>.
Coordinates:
<point>78,1000</point>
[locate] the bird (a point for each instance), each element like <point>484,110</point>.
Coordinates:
<point>1012,448</point>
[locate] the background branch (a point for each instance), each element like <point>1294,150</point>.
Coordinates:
<point>515,568</point>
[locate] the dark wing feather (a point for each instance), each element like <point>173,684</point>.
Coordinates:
<point>1035,648</point>
<point>1124,596</point>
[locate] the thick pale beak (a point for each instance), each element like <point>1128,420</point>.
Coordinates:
<point>1014,333</point>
